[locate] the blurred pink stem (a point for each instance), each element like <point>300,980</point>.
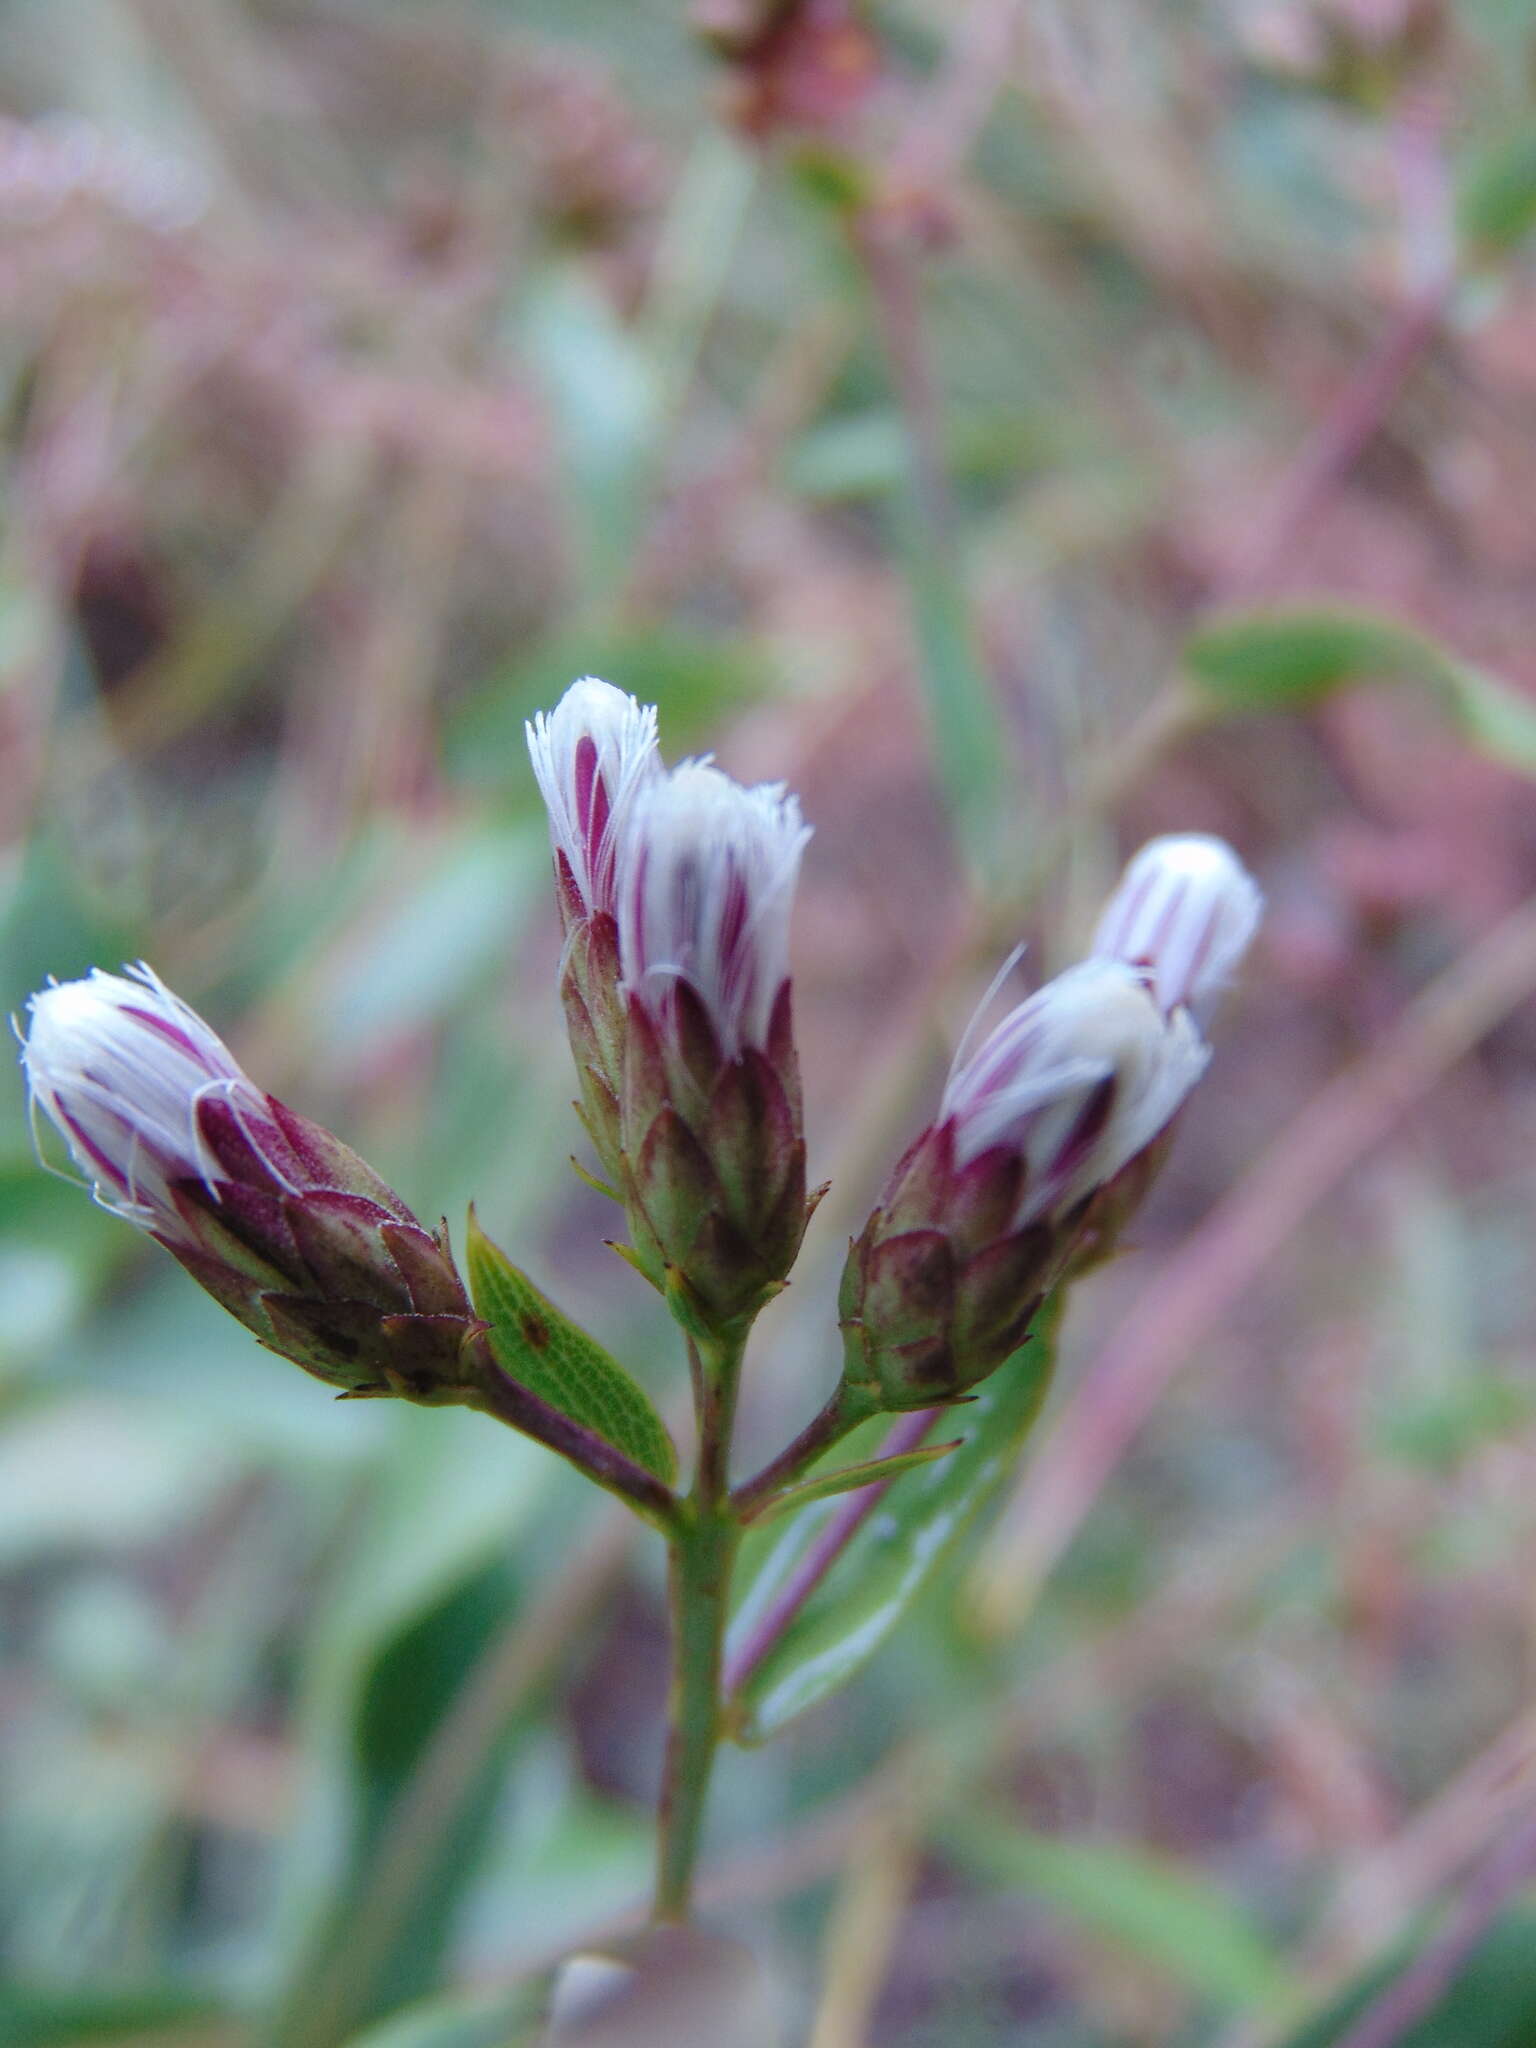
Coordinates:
<point>851,1515</point>
<point>1334,449</point>
<point>1429,258</point>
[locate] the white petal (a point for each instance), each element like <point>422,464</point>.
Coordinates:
<point>590,755</point>
<point>706,880</point>
<point>118,1065</point>
<point>1186,910</point>
<point>1033,1081</point>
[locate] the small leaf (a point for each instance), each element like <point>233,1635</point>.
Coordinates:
<point>891,1559</point>
<point>1286,661</point>
<point>537,1345</point>
<point>1490,2001</point>
<point>870,1473</point>
<point>1497,201</point>
<point>1150,1905</point>
<point>55,2016</point>
<point>494,2018</point>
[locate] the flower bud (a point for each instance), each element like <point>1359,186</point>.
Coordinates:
<point>711,1120</point>
<point>1185,911</point>
<point>591,756</point>
<point>285,1226</point>
<point>981,1215</point>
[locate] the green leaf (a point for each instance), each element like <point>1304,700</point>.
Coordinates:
<point>1147,1904</point>
<point>378,1945</point>
<point>970,742</point>
<point>410,1624</point>
<point>35,2017</point>
<point>497,2018</point>
<point>1491,2002</point>
<point>606,400</point>
<point>895,1553</point>
<point>868,1473</point>
<point>1497,201</point>
<point>543,1350</point>
<point>1286,661</point>
<point>695,677</point>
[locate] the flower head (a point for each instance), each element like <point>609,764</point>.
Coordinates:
<point>706,881</point>
<point>284,1225</point>
<point>1185,911</point>
<point>121,1066</point>
<point>590,755</point>
<point>1049,1133</point>
<point>712,1157</point>
<point>1075,1081</point>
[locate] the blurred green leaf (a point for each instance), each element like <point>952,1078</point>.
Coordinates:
<point>444,924</point>
<point>1439,1427</point>
<point>895,1553</point>
<point>607,401</point>
<point>856,455</point>
<point>105,1472</point>
<point>161,2015</point>
<point>467,2019</point>
<point>538,1345</point>
<point>694,678</point>
<point>1491,2003</point>
<point>1496,205</point>
<point>1149,1905</point>
<point>375,1879</point>
<point>970,743</point>
<point>1286,661</point>
<point>383,1941</point>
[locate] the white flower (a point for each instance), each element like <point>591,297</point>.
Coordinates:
<point>1186,910</point>
<point>590,755</point>
<point>120,1066</point>
<point>706,882</point>
<point>1079,1078</point>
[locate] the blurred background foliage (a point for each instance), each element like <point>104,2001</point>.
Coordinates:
<point>1022,426</point>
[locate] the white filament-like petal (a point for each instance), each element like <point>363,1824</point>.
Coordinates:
<point>119,1064</point>
<point>706,882</point>
<point>590,755</point>
<point>1186,910</point>
<point>1080,1077</point>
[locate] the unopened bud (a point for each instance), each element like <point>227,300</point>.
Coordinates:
<point>591,756</point>
<point>711,1120</point>
<point>285,1226</point>
<point>980,1217</point>
<point>1185,911</point>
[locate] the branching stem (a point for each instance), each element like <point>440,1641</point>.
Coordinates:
<point>703,1540</point>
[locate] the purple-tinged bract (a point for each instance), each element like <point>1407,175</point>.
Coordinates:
<point>1049,1132</point>
<point>283,1224</point>
<point>713,1152</point>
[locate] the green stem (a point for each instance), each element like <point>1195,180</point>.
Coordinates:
<point>699,1581</point>
<point>495,1392</point>
<point>842,1414</point>
<point>703,1542</point>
